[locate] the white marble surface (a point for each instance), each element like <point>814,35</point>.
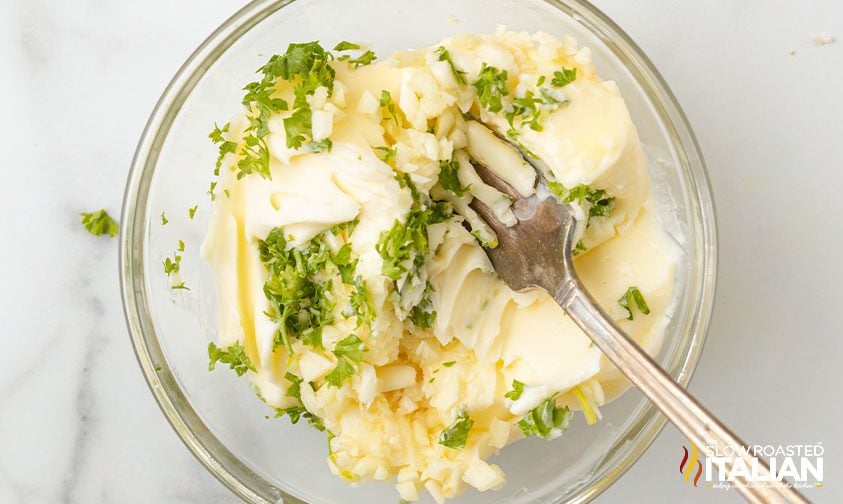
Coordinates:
<point>78,80</point>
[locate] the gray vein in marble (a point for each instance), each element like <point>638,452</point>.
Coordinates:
<point>28,369</point>
<point>85,395</point>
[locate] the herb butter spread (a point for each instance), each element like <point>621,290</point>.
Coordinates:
<point>353,287</point>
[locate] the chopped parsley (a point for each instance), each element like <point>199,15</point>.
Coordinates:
<point>349,354</point>
<point>448,178</point>
<point>444,55</point>
<point>364,59</point>
<point>528,107</point>
<point>212,190</point>
<point>218,137</point>
<point>448,364</point>
<point>191,212</point>
<point>529,110</point>
<point>387,103</point>
<point>634,296</point>
<point>388,153</point>
<point>234,355</point>
<point>360,303</point>
<point>404,246</point>
<point>422,314</point>
<point>164,219</point>
<point>294,390</point>
<point>491,87</point>
<point>600,204</point>
<point>579,248</point>
<point>564,77</point>
<point>99,223</point>
<point>456,435</point>
<point>346,46</point>
<point>180,286</point>
<point>172,266</point>
<point>300,285</point>
<point>296,413</point>
<point>517,390</point>
<point>307,67</point>
<point>345,228</point>
<point>545,418</point>
<point>301,304</point>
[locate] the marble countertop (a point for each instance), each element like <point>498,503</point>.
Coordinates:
<point>78,80</point>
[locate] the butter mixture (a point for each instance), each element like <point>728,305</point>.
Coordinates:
<point>352,282</point>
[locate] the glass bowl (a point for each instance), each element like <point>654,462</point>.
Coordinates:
<point>218,417</point>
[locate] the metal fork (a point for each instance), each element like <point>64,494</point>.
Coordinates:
<point>537,252</point>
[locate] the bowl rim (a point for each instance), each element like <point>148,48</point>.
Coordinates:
<point>209,451</point>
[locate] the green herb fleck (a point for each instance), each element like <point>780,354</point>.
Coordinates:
<point>234,355</point>
<point>294,390</point>
<point>599,203</point>
<point>301,304</point>
<point>361,303</point>
<point>191,212</point>
<point>579,248</point>
<point>349,353</point>
<point>172,266</point>
<point>345,228</point>
<point>423,314</point>
<point>517,390</point>
<point>403,247</point>
<point>545,418</point>
<point>99,223</point>
<point>491,87</point>
<point>444,55</point>
<point>164,219</point>
<point>564,77</point>
<point>218,137</point>
<point>456,435</point>
<point>295,413</point>
<point>364,59</point>
<point>307,67</point>
<point>346,46</point>
<point>387,103</point>
<point>448,364</point>
<point>529,110</point>
<point>448,177</point>
<point>633,295</point>
<point>388,153</point>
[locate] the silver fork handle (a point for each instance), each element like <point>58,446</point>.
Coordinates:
<point>688,415</point>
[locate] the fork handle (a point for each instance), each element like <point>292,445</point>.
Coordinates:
<point>680,407</point>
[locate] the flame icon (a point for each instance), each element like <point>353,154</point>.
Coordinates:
<point>689,461</point>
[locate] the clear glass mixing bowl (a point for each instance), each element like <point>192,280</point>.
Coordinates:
<point>218,417</point>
